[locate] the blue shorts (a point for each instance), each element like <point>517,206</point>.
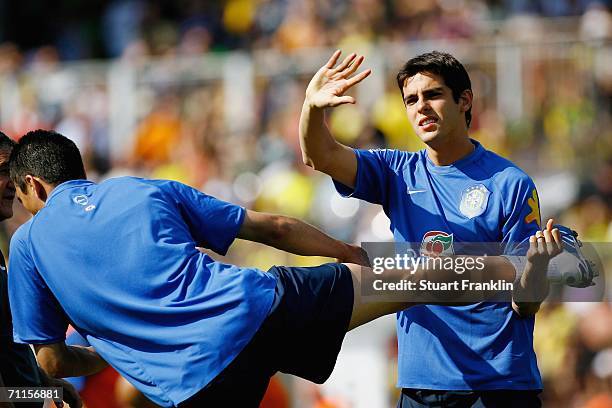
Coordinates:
<point>413,398</point>
<point>302,336</point>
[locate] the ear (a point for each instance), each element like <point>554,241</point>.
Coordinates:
<point>37,187</point>
<point>465,100</point>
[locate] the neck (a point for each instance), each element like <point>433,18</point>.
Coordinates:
<point>449,151</point>
<point>48,188</point>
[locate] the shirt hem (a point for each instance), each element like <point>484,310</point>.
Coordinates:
<point>45,341</point>
<point>492,387</point>
<point>180,399</point>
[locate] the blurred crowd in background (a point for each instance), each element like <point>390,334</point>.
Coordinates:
<point>110,29</point>
<point>209,93</point>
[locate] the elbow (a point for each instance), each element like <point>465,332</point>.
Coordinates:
<point>307,160</point>
<point>281,228</point>
<point>52,361</point>
<point>53,366</point>
<point>315,163</point>
<point>310,162</point>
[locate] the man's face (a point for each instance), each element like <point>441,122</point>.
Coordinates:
<point>431,109</point>
<point>7,188</point>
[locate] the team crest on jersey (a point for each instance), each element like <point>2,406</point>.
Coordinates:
<point>474,200</point>
<point>437,243</point>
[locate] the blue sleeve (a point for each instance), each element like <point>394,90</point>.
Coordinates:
<point>522,213</point>
<point>37,316</point>
<point>375,167</point>
<point>213,223</point>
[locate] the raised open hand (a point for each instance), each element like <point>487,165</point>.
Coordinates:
<point>327,87</point>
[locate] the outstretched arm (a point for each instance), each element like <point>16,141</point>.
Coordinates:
<point>297,237</point>
<point>326,89</point>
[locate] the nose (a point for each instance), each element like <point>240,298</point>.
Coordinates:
<point>422,105</point>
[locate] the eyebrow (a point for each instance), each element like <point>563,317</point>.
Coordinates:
<point>426,92</point>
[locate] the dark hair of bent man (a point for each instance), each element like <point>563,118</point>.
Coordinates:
<point>444,65</point>
<point>47,155</point>
<point>6,144</point>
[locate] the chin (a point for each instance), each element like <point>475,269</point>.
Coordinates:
<point>429,137</point>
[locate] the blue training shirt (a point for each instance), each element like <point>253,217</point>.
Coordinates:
<point>480,198</point>
<point>118,261</point>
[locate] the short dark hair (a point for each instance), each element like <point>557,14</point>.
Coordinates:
<point>6,144</point>
<point>446,66</point>
<point>48,155</point>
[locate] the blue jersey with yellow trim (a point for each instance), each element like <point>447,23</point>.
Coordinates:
<point>480,198</point>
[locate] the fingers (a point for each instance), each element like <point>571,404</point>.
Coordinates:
<point>357,78</point>
<point>557,238</point>
<point>551,249</point>
<point>350,70</point>
<point>347,84</point>
<point>546,242</point>
<point>343,65</point>
<point>342,100</point>
<point>540,243</point>
<point>333,59</point>
<point>328,85</point>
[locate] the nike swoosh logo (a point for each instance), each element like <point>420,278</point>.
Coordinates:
<point>410,192</point>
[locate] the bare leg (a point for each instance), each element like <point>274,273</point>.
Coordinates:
<point>363,311</point>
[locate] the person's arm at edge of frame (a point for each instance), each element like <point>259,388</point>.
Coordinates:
<point>58,360</point>
<point>297,237</point>
<point>533,287</point>
<point>70,394</point>
<point>4,404</point>
<point>326,89</point>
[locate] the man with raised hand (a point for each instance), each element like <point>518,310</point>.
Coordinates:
<point>453,191</point>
